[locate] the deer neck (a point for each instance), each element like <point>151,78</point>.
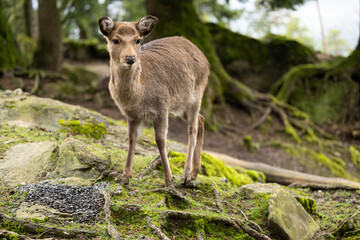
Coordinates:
<point>126,81</point>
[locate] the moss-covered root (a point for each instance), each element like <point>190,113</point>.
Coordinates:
<point>156,229</point>
<point>189,223</point>
<point>113,233</point>
<point>5,234</point>
<point>25,227</point>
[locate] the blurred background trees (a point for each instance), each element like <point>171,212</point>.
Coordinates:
<point>41,33</point>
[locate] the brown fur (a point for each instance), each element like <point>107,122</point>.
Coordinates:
<point>169,77</point>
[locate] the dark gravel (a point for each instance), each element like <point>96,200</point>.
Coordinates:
<point>84,203</point>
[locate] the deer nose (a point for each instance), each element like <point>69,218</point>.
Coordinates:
<point>130,59</point>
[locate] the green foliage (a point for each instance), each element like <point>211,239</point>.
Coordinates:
<point>278,4</point>
<point>89,129</point>
<point>8,52</point>
<point>295,31</point>
<point>221,11</point>
<point>335,44</point>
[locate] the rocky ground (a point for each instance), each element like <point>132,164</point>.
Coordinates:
<point>59,170</point>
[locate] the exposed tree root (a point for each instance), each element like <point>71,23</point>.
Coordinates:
<point>156,162</point>
<point>4,234</point>
<point>174,193</point>
<point>113,233</point>
<point>235,223</point>
<point>34,228</point>
<point>156,229</point>
<point>252,232</point>
<point>218,197</point>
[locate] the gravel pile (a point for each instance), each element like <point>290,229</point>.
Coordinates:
<point>84,203</point>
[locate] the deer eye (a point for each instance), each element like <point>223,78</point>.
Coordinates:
<point>138,41</point>
<point>115,41</point>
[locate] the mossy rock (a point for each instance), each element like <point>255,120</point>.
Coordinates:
<point>28,162</point>
<point>254,190</point>
<point>80,160</point>
<point>23,110</point>
<point>288,219</point>
<point>258,64</point>
<point>85,49</point>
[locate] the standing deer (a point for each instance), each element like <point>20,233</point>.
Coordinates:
<point>165,77</point>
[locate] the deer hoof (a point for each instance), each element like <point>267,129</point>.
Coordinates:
<point>125,180</point>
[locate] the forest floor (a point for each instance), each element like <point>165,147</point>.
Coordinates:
<point>229,139</point>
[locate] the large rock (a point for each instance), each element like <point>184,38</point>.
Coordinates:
<point>21,109</point>
<point>288,219</point>
<point>81,160</point>
<point>254,189</point>
<point>39,212</point>
<point>27,162</point>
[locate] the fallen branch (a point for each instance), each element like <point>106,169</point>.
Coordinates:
<point>34,228</point>
<point>156,229</point>
<point>113,233</point>
<point>317,186</point>
<point>284,176</point>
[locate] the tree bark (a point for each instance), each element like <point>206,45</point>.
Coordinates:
<point>49,53</point>
<point>30,21</point>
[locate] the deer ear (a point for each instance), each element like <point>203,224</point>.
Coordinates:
<point>106,25</point>
<point>146,25</point>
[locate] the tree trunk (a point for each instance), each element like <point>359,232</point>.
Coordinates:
<point>180,18</point>
<point>49,55</point>
<point>30,21</point>
<point>8,53</point>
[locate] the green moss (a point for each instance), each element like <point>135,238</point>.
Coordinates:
<point>257,209</point>
<point>289,130</point>
<point>355,155</point>
<point>189,225</point>
<point>256,176</point>
<point>308,204</point>
<point>89,129</point>
<point>249,145</point>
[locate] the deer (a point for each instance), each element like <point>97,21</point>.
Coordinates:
<point>162,78</point>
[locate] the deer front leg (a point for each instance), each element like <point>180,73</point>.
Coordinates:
<point>161,127</point>
<point>133,128</point>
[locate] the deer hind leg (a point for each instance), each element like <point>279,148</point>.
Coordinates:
<point>192,120</point>
<point>199,143</point>
<point>133,128</point>
<point>161,127</point>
